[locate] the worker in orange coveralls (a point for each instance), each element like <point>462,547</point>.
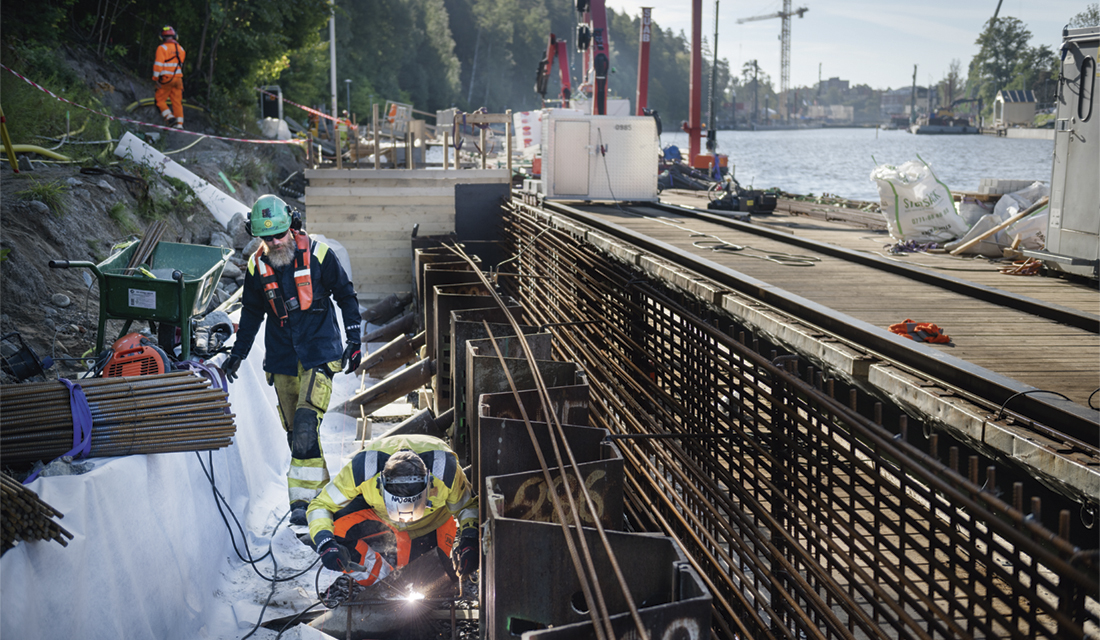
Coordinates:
<point>168,74</point>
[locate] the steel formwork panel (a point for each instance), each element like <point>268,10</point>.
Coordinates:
<point>530,587</point>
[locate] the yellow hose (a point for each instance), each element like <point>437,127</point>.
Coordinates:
<point>150,102</point>
<point>7,142</point>
<point>30,148</point>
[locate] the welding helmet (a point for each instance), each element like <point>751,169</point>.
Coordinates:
<point>167,32</point>
<point>270,216</point>
<point>404,483</point>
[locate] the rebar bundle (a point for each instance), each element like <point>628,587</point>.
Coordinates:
<point>26,517</point>
<point>139,414</point>
<point>147,245</point>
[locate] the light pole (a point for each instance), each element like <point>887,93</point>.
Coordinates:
<point>347,83</point>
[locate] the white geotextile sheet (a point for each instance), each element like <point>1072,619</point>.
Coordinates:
<point>151,557</point>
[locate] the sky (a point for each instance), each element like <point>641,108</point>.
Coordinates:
<point>863,41</point>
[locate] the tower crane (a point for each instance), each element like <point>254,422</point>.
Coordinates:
<point>785,43</point>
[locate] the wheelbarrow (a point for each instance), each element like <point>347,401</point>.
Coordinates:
<point>175,284</point>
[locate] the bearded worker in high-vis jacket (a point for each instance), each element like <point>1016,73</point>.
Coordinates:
<point>394,502</point>
<point>292,281</point>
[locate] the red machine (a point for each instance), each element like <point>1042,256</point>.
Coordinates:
<point>556,48</point>
<point>133,355</point>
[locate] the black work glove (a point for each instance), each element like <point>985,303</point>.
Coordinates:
<point>230,366</point>
<point>353,355</point>
<point>469,556</point>
<point>334,555</point>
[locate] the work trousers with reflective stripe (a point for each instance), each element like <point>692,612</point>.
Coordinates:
<point>171,90</point>
<point>379,547</point>
<point>303,400</point>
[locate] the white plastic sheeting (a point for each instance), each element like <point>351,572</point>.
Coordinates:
<point>151,557</point>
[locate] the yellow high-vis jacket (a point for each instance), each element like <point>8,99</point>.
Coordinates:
<point>450,495</point>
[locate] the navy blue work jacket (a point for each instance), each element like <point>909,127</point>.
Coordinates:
<point>311,337</point>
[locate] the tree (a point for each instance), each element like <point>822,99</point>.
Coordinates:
<point>1001,47</point>
<point>1037,71</point>
<point>1090,17</point>
<point>952,82</point>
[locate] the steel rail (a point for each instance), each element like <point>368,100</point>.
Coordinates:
<point>1049,310</point>
<point>1071,419</point>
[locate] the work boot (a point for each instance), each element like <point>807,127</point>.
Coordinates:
<point>298,513</point>
<point>170,121</point>
<point>178,125</point>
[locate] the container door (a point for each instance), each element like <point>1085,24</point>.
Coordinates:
<point>571,158</point>
<point>1074,223</point>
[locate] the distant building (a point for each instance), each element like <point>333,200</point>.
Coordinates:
<point>831,113</point>
<point>897,102</point>
<point>833,83</point>
<point>1012,107</point>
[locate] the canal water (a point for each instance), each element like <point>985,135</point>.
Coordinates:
<point>839,161</point>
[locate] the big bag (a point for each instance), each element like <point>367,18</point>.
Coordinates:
<point>917,206</point>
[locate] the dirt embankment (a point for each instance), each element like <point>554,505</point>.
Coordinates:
<point>83,211</point>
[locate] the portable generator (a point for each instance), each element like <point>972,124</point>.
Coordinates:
<point>134,355</point>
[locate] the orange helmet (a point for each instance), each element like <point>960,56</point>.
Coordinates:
<point>167,32</point>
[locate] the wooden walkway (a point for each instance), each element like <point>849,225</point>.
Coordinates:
<point>1035,351</point>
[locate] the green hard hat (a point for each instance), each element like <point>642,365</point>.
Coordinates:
<point>270,216</point>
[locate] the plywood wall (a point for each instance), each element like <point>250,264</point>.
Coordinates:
<point>372,213</point>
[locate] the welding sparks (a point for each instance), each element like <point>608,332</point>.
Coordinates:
<point>414,594</point>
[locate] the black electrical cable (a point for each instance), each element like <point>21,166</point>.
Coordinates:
<point>274,581</point>
<point>607,172</point>
<point>295,618</point>
<point>218,500</point>
<point>1091,395</point>
<point>250,560</point>
<point>1024,393</point>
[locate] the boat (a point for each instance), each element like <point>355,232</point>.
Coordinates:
<point>943,122</point>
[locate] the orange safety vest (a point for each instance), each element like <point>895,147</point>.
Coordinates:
<point>920,331</point>
<point>169,62</point>
<point>302,279</point>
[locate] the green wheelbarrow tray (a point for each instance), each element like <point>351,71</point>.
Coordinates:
<point>175,284</point>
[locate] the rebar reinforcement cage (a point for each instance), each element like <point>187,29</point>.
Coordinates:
<point>805,518</point>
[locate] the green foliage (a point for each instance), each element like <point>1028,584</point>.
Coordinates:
<point>45,192</point>
<point>31,113</point>
<point>248,170</point>
<point>34,23</point>
<point>120,213</point>
<point>433,54</point>
<point>1090,17</point>
<point>1006,61</point>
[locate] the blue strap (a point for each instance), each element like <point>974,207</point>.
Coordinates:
<point>82,425</point>
<point>82,420</point>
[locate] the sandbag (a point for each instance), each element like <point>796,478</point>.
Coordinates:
<point>916,205</point>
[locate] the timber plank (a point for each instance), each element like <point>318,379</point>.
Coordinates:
<point>374,200</point>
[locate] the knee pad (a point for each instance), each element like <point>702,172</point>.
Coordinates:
<point>304,443</point>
